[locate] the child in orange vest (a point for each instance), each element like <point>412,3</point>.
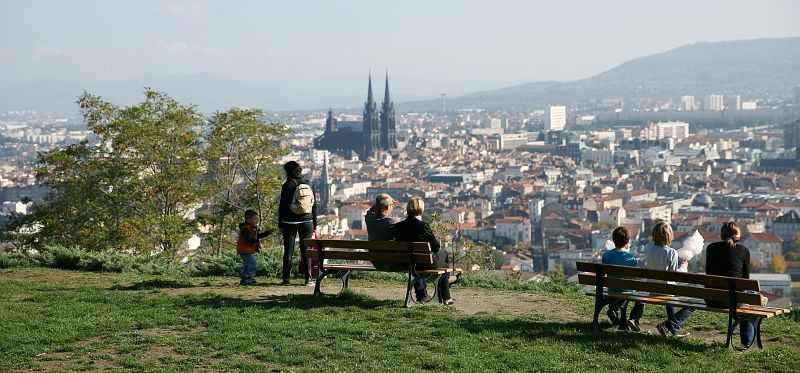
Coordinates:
<point>248,245</point>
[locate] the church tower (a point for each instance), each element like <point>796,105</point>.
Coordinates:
<point>330,123</point>
<point>388,140</point>
<point>324,186</point>
<point>372,141</point>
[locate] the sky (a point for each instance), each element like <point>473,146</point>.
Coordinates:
<point>446,40</point>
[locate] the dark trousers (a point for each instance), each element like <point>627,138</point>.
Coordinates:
<point>440,260</point>
<point>676,318</point>
<point>636,312</point>
<point>290,232</point>
<point>747,331</point>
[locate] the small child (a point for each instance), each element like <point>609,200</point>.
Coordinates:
<point>248,245</point>
<point>619,256</point>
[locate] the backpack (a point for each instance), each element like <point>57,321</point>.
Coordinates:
<point>303,200</point>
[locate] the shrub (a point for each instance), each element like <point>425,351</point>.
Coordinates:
<point>15,260</point>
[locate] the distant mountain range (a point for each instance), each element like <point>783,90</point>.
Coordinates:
<point>212,92</point>
<point>751,68</point>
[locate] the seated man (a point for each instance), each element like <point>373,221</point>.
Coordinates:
<point>380,226</point>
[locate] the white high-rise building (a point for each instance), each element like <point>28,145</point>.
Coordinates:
<point>672,130</point>
<point>555,118</point>
<point>797,98</point>
<point>687,103</point>
<point>715,102</point>
<point>736,102</point>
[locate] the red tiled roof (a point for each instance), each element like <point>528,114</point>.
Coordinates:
<point>765,237</point>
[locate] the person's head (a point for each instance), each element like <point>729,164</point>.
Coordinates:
<point>293,170</point>
<point>251,216</point>
<point>415,207</point>
<point>383,204</point>
<point>730,233</point>
<point>662,234</point>
<point>621,237</point>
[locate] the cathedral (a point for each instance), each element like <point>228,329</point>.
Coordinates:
<point>377,132</point>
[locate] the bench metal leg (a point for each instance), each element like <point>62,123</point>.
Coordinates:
<point>623,320</point>
<point>598,306</point>
<point>409,286</point>
<point>346,280</point>
<point>731,327</point>
<point>758,331</point>
<point>320,276</point>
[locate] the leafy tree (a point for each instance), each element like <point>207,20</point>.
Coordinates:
<point>137,188</point>
<point>19,230</point>
<point>778,264</point>
<point>242,152</point>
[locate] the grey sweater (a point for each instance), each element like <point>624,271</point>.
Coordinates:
<point>663,258</point>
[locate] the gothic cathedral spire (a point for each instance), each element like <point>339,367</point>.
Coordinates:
<point>371,134</point>
<point>388,139</point>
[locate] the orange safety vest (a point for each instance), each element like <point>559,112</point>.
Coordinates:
<point>243,247</point>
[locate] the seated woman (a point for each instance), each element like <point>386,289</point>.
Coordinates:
<point>413,229</point>
<point>729,258</point>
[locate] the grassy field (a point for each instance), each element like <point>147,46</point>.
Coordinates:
<point>67,320</point>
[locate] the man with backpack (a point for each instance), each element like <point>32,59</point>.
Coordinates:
<point>297,215</point>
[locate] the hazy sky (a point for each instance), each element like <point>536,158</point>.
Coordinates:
<point>92,41</point>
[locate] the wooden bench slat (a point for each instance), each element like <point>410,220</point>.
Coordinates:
<point>720,282</point>
<point>347,267</point>
<point>747,310</point>
<point>370,245</point>
<point>664,288</point>
<point>372,257</point>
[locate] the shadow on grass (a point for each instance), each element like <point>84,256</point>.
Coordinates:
<point>155,284</point>
<point>612,343</point>
<point>292,301</point>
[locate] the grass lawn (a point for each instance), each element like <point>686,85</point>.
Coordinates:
<point>62,320</point>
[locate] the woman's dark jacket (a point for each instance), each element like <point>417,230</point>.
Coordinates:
<point>414,230</point>
<point>285,214</point>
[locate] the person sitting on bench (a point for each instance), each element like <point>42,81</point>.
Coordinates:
<point>380,227</point>
<point>413,229</point>
<point>621,256</point>
<point>729,258</point>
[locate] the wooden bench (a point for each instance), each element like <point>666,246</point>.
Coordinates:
<point>691,292</point>
<point>405,255</point>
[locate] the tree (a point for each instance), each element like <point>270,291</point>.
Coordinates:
<point>778,264</point>
<point>242,152</point>
<point>137,188</point>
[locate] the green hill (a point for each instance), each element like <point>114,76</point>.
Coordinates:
<point>69,320</point>
<point>752,68</point>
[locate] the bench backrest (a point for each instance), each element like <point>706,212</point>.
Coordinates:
<point>374,251</point>
<point>693,285</point>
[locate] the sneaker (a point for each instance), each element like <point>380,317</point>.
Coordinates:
<point>633,325</point>
<point>449,302</point>
<point>612,315</point>
<point>311,283</point>
<point>680,333</point>
<point>662,329</point>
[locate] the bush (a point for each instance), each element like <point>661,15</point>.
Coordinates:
<point>15,260</point>
<point>229,264</point>
<point>494,281</point>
